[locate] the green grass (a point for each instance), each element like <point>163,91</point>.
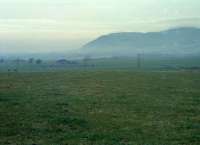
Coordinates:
<point>100,108</point>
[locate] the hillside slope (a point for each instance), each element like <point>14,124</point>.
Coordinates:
<point>185,40</point>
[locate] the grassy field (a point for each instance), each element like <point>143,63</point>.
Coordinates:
<point>100,108</point>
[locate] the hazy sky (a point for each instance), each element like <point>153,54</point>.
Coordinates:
<point>50,25</point>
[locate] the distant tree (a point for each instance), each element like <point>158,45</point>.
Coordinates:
<point>38,61</point>
<point>31,60</point>
<point>2,60</point>
<point>15,70</point>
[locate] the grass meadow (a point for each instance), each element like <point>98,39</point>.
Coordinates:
<point>100,108</point>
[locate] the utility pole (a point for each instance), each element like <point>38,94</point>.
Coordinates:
<point>86,61</point>
<point>139,63</point>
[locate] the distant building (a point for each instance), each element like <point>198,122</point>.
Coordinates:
<point>64,61</point>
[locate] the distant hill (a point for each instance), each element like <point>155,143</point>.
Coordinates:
<point>184,40</point>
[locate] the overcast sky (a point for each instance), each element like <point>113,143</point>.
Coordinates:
<point>51,25</point>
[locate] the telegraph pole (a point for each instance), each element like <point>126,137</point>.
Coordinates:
<point>139,63</point>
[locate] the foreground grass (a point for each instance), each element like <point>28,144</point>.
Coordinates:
<point>100,108</point>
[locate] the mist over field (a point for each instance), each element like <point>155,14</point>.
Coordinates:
<point>53,29</point>
<point>180,41</point>
<point>99,34</point>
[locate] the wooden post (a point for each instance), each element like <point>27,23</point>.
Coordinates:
<point>139,64</point>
